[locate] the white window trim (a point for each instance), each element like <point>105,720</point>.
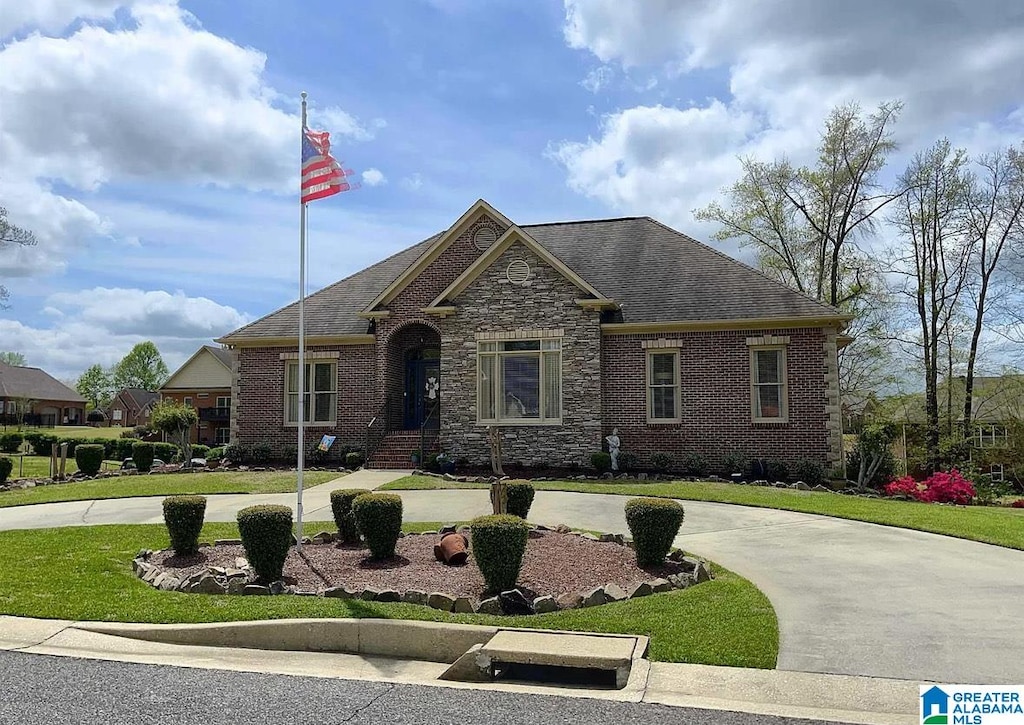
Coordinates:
<point>226,398</point>
<point>518,337</point>
<point>649,387</point>
<point>187,401</point>
<point>783,394</point>
<point>333,422</point>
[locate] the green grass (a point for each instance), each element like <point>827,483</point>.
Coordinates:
<point>69,431</point>
<point>85,574</point>
<point>39,466</point>
<point>989,524</point>
<point>165,484</point>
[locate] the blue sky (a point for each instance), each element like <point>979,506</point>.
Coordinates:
<point>153,145</point>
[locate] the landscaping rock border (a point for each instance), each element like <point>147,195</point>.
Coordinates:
<point>241,580</point>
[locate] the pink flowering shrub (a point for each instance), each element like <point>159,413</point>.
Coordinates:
<point>1018,504</point>
<point>942,487</point>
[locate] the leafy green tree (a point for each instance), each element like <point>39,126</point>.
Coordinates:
<point>176,421</point>
<point>13,358</point>
<point>141,368</point>
<point>11,234</point>
<point>96,385</point>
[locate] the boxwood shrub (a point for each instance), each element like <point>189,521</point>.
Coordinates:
<point>601,461</point>
<point>266,532</point>
<point>11,442</point>
<point>498,545</point>
<point>261,453</point>
<point>142,454</point>
<point>353,459</point>
<point>200,451</point>
<point>41,443</point>
<point>123,448</point>
<point>89,457</point>
<point>237,453</point>
<point>183,516</point>
<point>661,461</point>
<point>654,523</point>
<point>215,453</point>
<point>694,464</point>
<point>344,518</point>
<point>379,519</point>
<point>520,498</point>
<point>6,466</point>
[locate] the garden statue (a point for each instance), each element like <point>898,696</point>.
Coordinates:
<point>613,448</point>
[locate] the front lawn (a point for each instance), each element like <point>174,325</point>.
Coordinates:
<point>69,431</point>
<point>26,466</point>
<point>84,573</point>
<point>166,484</point>
<point>989,524</point>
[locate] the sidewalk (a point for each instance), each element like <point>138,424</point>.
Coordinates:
<point>841,698</point>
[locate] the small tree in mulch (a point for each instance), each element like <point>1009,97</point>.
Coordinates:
<point>499,542</point>
<point>266,532</point>
<point>177,421</point>
<point>654,523</point>
<point>344,518</point>
<point>183,516</point>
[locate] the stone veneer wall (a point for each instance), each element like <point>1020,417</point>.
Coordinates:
<point>545,302</point>
<point>715,397</point>
<point>258,396</point>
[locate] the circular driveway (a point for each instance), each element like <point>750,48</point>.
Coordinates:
<point>851,597</point>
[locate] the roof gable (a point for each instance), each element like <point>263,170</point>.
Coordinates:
<point>209,367</point>
<point>511,236</point>
<point>442,243</point>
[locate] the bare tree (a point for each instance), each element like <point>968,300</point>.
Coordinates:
<point>935,258</point>
<point>804,224</point>
<point>996,224</point>
<point>11,234</point>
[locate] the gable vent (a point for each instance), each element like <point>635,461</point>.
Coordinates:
<point>484,238</point>
<point>518,271</point>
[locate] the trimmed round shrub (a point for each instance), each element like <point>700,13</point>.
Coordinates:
<point>777,470</point>
<point>142,455</point>
<point>628,461</point>
<point>353,459</point>
<point>200,451</point>
<point>183,516</point>
<point>237,453</point>
<point>41,443</point>
<point>344,518</point>
<point>95,416</point>
<point>601,461</point>
<point>520,498</point>
<point>11,442</point>
<point>661,461</point>
<point>694,464</point>
<point>498,544</point>
<point>734,462</point>
<point>810,471</point>
<point>266,532</point>
<point>654,523</point>
<point>123,448</point>
<point>261,452</point>
<point>379,519</point>
<point>6,466</point>
<point>166,452</point>
<point>215,454</point>
<point>89,457</point>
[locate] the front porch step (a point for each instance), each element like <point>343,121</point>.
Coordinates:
<point>395,451</point>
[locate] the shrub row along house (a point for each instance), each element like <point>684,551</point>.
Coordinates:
<point>556,334</point>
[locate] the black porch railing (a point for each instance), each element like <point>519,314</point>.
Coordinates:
<point>215,415</point>
<point>30,419</point>
<point>377,429</point>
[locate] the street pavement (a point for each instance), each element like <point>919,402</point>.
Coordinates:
<point>851,597</point>
<point>39,688</point>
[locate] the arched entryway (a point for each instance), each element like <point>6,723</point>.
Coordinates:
<point>414,379</point>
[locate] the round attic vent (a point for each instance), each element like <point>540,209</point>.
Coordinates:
<point>484,238</point>
<point>518,271</point>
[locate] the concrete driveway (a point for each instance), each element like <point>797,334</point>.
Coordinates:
<point>851,598</point>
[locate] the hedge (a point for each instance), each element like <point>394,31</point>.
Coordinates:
<point>654,523</point>
<point>498,544</point>
<point>266,532</point>
<point>183,516</point>
<point>379,518</point>
<point>11,442</point>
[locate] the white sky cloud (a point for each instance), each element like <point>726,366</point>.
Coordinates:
<point>374,177</point>
<point>52,16</point>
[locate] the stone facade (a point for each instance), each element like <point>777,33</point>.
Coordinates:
<point>544,303</point>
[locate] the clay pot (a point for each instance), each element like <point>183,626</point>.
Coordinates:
<point>452,549</point>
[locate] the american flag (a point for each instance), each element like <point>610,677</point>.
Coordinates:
<point>321,174</point>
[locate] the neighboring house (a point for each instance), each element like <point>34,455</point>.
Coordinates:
<point>556,334</point>
<point>204,383</point>
<point>132,407</point>
<point>34,397</point>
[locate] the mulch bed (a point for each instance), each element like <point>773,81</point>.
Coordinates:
<point>554,564</point>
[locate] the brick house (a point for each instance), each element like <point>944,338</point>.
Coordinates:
<point>557,334</point>
<point>35,397</point>
<point>132,407</point>
<point>203,382</point>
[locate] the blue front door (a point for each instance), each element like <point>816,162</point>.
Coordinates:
<point>422,389</point>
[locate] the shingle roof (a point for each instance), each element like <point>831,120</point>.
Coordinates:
<point>140,397</point>
<point>221,354</point>
<point>655,273</point>
<point>34,384</point>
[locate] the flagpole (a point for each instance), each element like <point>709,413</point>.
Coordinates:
<point>302,342</point>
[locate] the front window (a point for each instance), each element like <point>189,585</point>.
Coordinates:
<point>321,393</point>
<point>768,384</point>
<point>222,437</point>
<point>520,380</point>
<point>223,401</point>
<point>990,435</point>
<point>663,386</point>
<point>187,402</point>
